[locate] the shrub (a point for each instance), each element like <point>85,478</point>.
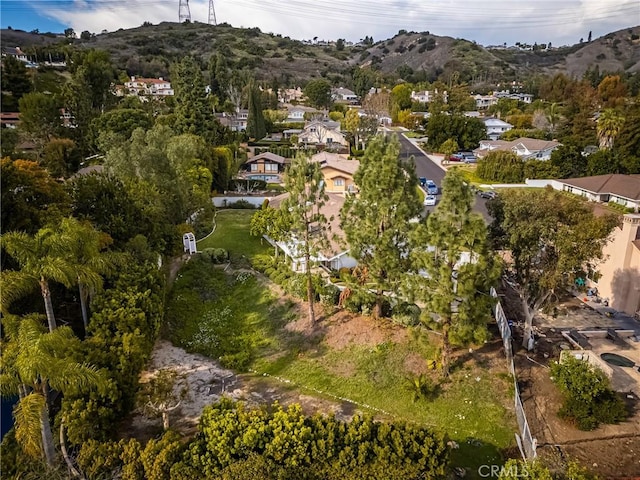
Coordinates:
<point>406,314</point>
<point>588,397</point>
<point>242,205</point>
<point>215,255</point>
<point>503,167</point>
<point>329,295</point>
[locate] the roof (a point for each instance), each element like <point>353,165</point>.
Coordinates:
<point>627,186</point>
<point>531,144</point>
<point>267,156</point>
<point>331,210</point>
<point>336,161</point>
<point>496,122</point>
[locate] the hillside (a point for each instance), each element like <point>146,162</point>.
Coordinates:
<point>148,50</point>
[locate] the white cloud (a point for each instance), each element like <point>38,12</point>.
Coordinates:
<point>557,21</point>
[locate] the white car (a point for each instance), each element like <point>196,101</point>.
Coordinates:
<point>430,200</point>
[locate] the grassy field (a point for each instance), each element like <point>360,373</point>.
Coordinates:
<point>232,234</point>
<point>237,318</point>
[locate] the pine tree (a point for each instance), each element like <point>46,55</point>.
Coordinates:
<point>376,222</point>
<point>452,249</point>
<point>305,184</point>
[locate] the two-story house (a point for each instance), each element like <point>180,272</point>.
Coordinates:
<point>155,87</point>
<point>426,96</point>
<point>337,171</point>
<point>266,166</point>
<point>496,127</point>
<point>323,133</point>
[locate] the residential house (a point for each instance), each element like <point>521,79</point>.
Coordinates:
<point>266,166</point>
<point>19,55</point>
<point>9,119</point>
<point>619,272</point>
<point>496,127</point>
<point>67,118</point>
<point>525,148</point>
<point>335,255</point>
<point>155,87</point>
<point>341,94</point>
<point>237,121</point>
<point>426,96</point>
<point>612,188</point>
<point>296,113</point>
<point>337,171</point>
<point>287,95</point>
<point>485,101</point>
<point>323,133</point>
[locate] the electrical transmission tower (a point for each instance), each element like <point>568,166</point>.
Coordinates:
<point>212,14</point>
<point>184,13</point>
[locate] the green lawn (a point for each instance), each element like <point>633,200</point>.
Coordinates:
<point>232,234</point>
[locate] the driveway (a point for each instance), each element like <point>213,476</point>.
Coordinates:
<point>430,168</point>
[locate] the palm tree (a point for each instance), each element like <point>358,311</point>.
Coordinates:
<point>32,361</point>
<point>553,116</point>
<point>609,125</point>
<point>87,257</point>
<point>41,257</point>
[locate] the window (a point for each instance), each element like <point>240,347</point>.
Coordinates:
<point>329,140</point>
<point>338,182</point>
<point>270,167</point>
<point>254,167</point>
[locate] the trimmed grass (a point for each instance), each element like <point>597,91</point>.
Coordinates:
<point>469,173</point>
<point>232,234</point>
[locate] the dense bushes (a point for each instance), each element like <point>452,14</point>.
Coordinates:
<point>122,329</point>
<point>215,255</point>
<point>502,167</point>
<point>237,443</point>
<point>588,397</point>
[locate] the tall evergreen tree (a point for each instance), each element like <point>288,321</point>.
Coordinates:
<point>452,248</point>
<point>305,184</point>
<point>255,121</point>
<point>376,222</point>
<point>193,113</point>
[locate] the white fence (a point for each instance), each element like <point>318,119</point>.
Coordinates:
<point>526,442</point>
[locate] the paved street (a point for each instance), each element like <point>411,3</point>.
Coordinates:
<point>428,168</point>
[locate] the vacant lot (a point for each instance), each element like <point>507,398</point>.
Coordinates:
<point>241,318</point>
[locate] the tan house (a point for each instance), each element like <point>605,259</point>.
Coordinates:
<point>619,279</point>
<point>338,172</point>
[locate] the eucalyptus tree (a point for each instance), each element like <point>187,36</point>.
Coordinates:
<point>42,258</point>
<point>377,221</point>
<point>32,362</point>
<point>452,250</point>
<point>303,207</point>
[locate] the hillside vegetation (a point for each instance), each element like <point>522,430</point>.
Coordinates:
<point>148,50</point>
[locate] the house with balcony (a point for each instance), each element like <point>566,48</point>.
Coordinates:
<point>266,166</point>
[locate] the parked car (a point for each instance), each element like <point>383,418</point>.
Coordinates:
<point>430,200</point>
<point>431,187</point>
<point>469,158</point>
<point>423,182</point>
<point>456,157</point>
<point>488,194</point>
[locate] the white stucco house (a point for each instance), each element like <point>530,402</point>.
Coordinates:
<point>322,133</point>
<point>525,148</point>
<point>496,127</point>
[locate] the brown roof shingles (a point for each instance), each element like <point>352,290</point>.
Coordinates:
<point>627,186</point>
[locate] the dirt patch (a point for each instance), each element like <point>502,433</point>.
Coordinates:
<point>344,329</point>
<point>415,364</point>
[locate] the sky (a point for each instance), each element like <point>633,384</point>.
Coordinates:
<point>561,22</point>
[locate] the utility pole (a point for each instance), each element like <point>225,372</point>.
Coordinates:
<point>212,14</point>
<point>184,13</point>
